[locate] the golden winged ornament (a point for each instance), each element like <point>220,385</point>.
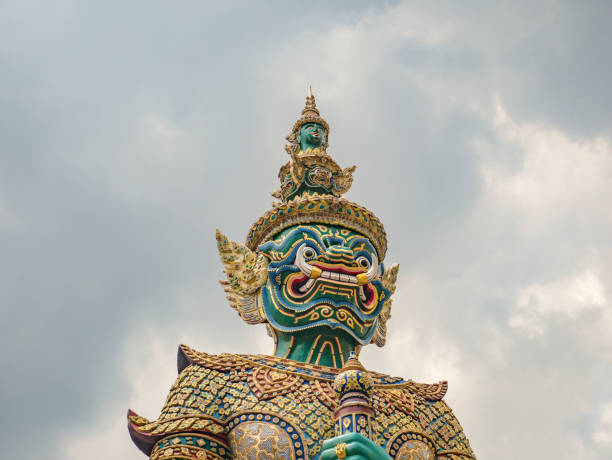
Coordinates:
<point>343,181</point>
<point>388,280</point>
<point>247,272</point>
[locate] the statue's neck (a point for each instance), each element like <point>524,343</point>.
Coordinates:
<point>320,346</point>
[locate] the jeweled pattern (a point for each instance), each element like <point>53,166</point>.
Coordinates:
<point>213,392</point>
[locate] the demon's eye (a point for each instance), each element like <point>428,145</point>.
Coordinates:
<point>309,253</point>
<point>363,262</point>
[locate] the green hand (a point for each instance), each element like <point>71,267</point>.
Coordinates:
<point>357,447</point>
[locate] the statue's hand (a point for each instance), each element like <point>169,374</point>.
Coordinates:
<point>357,447</point>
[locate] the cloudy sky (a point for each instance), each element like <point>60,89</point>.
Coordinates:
<point>482,133</point>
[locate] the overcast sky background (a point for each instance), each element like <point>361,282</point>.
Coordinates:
<point>482,133</point>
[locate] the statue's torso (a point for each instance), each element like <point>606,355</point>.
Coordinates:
<point>253,406</point>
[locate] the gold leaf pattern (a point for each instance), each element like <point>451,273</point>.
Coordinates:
<point>213,389</point>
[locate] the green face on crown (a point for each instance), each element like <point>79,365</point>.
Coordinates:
<point>323,281</point>
<point>312,135</point>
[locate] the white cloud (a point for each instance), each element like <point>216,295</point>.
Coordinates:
<point>566,298</point>
<point>557,175</point>
<point>149,380</point>
<point>603,434</point>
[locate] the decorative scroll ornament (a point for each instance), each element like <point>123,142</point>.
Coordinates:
<point>247,272</point>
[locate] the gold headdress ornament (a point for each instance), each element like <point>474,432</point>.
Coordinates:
<point>311,187</point>
<point>310,114</point>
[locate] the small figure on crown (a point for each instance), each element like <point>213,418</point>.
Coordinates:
<point>312,271</point>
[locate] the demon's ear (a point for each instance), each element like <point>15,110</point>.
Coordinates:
<point>247,272</point>
<point>388,280</point>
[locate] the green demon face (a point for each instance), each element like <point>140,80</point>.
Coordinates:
<point>323,277</point>
<point>312,135</point>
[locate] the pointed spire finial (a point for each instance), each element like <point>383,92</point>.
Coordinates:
<point>310,109</point>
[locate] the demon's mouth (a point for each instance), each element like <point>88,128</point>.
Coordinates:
<point>337,274</point>
<point>302,285</point>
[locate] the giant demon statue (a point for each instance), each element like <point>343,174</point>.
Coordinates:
<point>312,271</point>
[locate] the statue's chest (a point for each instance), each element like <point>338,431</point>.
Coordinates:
<point>281,413</point>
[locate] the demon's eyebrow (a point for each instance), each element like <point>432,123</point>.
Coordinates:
<point>333,241</point>
<point>360,246</point>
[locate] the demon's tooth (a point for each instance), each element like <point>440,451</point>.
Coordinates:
<point>362,294</point>
<point>335,276</point>
<point>307,286</point>
<point>344,278</point>
<point>325,274</point>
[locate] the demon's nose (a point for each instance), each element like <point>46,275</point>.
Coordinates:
<point>339,255</point>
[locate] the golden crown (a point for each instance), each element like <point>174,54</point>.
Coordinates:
<point>311,191</point>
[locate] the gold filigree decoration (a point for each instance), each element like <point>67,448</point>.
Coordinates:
<point>321,177</point>
<point>414,450</point>
<point>325,393</point>
<point>330,176</point>
<point>268,383</point>
<point>343,180</point>
<point>234,363</point>
<point>180,424</point>
<point>429,391</point>
<point>411,445</point>
<point>247,272</point>
<point>196,446</point>
<point>321,209</point>
<point>260,441</point>
<point>297,169</point>
<point>388,280</point>
<point>395,399</point>
<point>214,390</point>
